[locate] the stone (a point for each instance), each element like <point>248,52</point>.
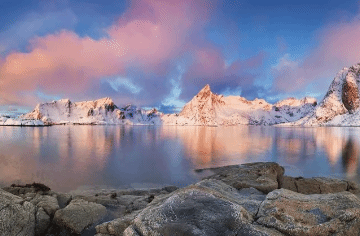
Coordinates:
<point>317,214</point>
<point>42,221</point>
<point>48,203</point>
<point>63,199</point>
<point>17,217</point>
<point>264,176</point>
<point>79,215</point>
<point>317,185</point>
<point>209,207</point>
<point>116,227</point>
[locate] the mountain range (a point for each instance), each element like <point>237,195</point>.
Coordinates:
<point>339,107</point>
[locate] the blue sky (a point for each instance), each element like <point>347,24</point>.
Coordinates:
<point>161,53</point>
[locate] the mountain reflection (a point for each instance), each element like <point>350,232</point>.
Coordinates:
<point>350,157</point>
<point>66,157</point>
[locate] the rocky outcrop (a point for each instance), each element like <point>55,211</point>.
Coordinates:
<point>248,199</point>
<point>317,185</point>
<point>263,176</point>
<point>318,214</point>
<point>79,215</point>
<point>350,93</point>
<point>17,217</point>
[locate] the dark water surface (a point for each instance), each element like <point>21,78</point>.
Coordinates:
<point>73,157</point>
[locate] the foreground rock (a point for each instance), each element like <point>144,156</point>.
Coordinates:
<point>17,217</point>
<point>249,199</point>
<point>298,214</point>
<point>79,215</point>
<point>264,176</point>
<point>209,207</point>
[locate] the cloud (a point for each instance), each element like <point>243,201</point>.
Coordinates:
<point>209,67</point>
<point>337,47</point>
<point>145,39</point>
<point>17,35</point>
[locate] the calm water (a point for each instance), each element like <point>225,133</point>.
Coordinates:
<point>75,157</point>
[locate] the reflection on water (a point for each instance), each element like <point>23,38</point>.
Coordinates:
<point>67,157</point>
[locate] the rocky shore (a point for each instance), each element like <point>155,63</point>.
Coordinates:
<point>249,199</point>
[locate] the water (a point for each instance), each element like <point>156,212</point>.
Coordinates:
<point>74,157</point>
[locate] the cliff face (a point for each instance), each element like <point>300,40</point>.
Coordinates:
<point>340,106</point>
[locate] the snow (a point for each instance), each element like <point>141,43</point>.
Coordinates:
<point>331,110</point>
<point>207,108</point>
<point>98,112</point>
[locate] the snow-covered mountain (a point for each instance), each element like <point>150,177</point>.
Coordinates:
<point>340,106</point>
<point>101,111</point>
<point>207,108</point>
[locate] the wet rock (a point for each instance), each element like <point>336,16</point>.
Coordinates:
<point>17,217</point>
<point>316,214</point>
<point>317,185</point>
<point>264,176</point>
<point>209,207</point>
<point>79,215</point>
<point>42,221</point>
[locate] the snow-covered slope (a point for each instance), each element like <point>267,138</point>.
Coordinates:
<point>207,108</point>
<point>101,111</point>
<point>340,106</point>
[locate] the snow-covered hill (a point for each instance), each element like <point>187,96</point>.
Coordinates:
<point>340,106</point>
<point>101,111</point>
<point>207,108</point>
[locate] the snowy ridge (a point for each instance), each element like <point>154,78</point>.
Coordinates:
<point>101,111</point>
<point>207,108</point>
<point>340,106</point>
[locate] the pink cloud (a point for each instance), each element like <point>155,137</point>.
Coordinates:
<point>149,34</point>
<point>338,48</point>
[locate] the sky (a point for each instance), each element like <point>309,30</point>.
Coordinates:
<point>157,53</point>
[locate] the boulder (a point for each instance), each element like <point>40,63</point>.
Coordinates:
<point>317,214</point>
<point>117,226</point>
<point>317,185</point>
<point>17,217</point>
<point>63,199</point>
<point>79,215</point>
<point>264,176</point>
<point>42,221</point>
<point>209,207</point>
<point>47,202</point>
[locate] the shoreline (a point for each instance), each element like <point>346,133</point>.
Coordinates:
<point>246,195</point>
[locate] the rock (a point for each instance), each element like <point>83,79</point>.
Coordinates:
<point>117,226</point>
<point>317,185</point>
<point>42,221</point>
<point>79,215</point>
<point>17,217</point>
<point>350,91</point>
<point>170,189</point>
<point>48,203</point>
<point>264,176</point>
<point>317,214</point>
<point>63,199</point>
<point>209,207</point>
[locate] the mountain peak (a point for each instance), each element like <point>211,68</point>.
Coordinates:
<point>204,92</point>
